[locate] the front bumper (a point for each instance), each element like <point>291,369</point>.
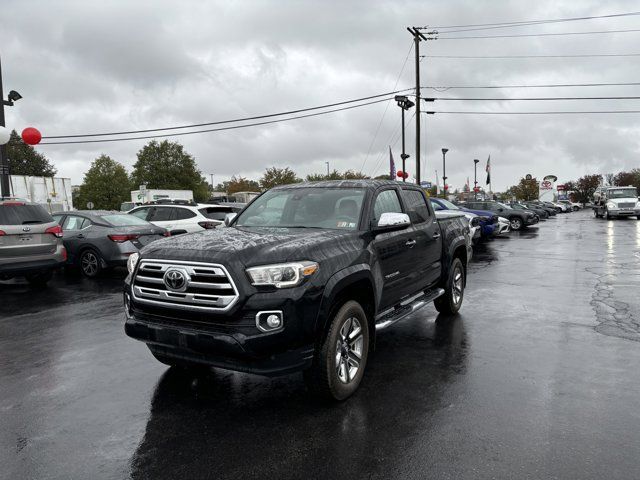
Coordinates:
<point>623,213</point>
<point>232,340</point>
<point>531,220</point>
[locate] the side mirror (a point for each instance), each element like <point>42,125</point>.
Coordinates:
<point>228,218</point>
<point>392,221</point>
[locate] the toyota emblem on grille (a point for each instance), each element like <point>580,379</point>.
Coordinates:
<point>175,280</point>
<point>26,229</point>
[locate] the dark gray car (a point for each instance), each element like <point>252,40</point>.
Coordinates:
<point>96,240</point>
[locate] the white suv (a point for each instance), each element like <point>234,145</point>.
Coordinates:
<point>183,218</point>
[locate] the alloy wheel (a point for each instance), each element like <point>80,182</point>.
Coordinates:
<point>458,285</point>
<point>89,264</point>
<point>349,350</point>
<point>516,223</point>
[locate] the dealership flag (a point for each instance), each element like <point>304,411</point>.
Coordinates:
<point>392,165</point>
<point>488,170</point>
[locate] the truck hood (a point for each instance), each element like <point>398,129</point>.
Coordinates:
<point>251,246</point>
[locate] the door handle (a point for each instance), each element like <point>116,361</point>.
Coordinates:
<point>436,235</point>
<point>410,243</point>
<point>80,235</point>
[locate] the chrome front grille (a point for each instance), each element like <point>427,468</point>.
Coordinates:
<point>206,286</point>
<point>626,205</point>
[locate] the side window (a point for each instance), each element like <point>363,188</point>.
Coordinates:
<point>73,223</point>
<point>59,219</point>
<point>416,205</point>
<point>162,214</point>
<point>183,214</point>
<point>141,213</point>
<point>436,206</point>
<point>387,201</point>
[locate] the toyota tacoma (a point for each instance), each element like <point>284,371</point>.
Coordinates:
<point>302,279</point>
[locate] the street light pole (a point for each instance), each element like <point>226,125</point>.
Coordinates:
<point>405,104</point>
<point>475,178</point>
<point>444,172</point>
<point>4,162</point>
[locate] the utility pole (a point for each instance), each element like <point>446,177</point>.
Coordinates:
<point>444,172</point>
<point>475,178</point>
<point>417,38</point>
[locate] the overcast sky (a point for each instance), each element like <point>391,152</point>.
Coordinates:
<point>87,67</point>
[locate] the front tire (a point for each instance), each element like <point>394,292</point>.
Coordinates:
<point>339,363</point>
<point>451,301</point>
<point>515,223</point>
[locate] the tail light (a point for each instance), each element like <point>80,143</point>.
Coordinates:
<point>55,231</point>
<point>166,234</point>
<point>122,238</point>
<point>2,233</point>
<point>208,225</point>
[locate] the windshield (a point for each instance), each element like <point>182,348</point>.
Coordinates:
<point>124,220</point>
<point>448,205</point>
<point>311,207</point>
<point>621,193</point>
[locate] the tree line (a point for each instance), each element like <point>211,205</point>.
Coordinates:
<point>159,165</point>
<point>582,189</point>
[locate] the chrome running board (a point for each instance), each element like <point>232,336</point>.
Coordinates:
<point>407,307</point>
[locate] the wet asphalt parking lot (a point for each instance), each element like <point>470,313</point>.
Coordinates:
<point>538,377</point>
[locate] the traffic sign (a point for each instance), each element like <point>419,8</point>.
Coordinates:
<point>90,205</point>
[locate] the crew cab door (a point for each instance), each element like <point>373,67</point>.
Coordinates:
<point>392,249</point>
<point>426,254</point>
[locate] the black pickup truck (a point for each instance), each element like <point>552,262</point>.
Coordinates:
<point>302,279</point>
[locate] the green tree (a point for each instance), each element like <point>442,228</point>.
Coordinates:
<point>624,179</point>
<point>241,184</point>
<point>166,165</point>
<point>336,175</point>
<point>106,184</point>
<point>24,160</point>
<point>278,176</point>
<point>585,187</point>
<point>524,190</point>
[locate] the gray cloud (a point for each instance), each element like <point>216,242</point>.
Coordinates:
<point>87,67</point>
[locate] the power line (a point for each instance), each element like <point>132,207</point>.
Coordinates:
<point>234,127</point>
<point>221,122</point>
<point>404,64</point>
<point>549,85</point>
<point>558,34</point>
<point>535,98</point>
<point>531,22</point>
<point>589,55</point>
<point>566,112</point>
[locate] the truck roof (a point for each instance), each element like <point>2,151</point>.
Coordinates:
<point>364,183</point>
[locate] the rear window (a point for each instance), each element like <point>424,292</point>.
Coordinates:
<point>215,213</point>
<point>123,220</point>
<point>23,215</point>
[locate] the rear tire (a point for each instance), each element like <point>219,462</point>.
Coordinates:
<point>90,263</point>
<point>40,279</point>
<point>451,301</point>
<point>339,362</point>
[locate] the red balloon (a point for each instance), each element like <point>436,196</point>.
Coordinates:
<point>31,136</point>
<point>402,174</point>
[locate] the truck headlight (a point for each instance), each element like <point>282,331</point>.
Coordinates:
<point>282,275</point>
<point>132,262</point>
<point>637,205</point>
<point>611,206</point>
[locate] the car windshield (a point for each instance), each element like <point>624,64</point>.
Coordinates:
<point>306,207</point>
<point>621,193</point>
<point>448,205</point>
<point>122,220</point>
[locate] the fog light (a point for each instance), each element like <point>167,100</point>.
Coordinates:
<point>273,321</point>
<point>269,321</point>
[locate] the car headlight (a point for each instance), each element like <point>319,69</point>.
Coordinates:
<point>132,262</point>
<point>282,275</point>
<point>611,205</point>
<point>637,205</point>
